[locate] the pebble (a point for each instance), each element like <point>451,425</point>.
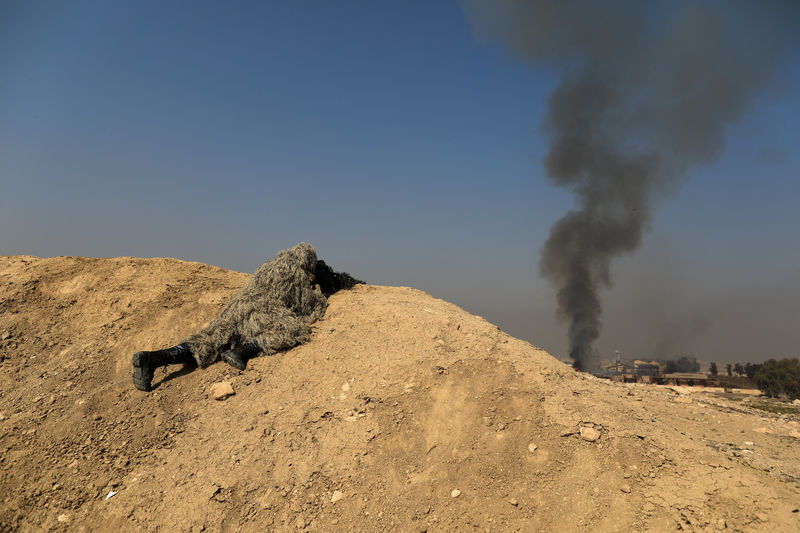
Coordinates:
<point>300,522</point>
<point>345,386</point>
<point>589,434</point>
<point>626,489</point>
<point>532,447</point>
<point>6,335</point>
<point>762,516</point>
<point>63,518</point>
<point>222,390</point>
<point>337,495</point>
<point>456,493</point>
<point>513,501</point>
<point>721,524</point>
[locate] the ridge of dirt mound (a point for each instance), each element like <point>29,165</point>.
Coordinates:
<point>403,413</point>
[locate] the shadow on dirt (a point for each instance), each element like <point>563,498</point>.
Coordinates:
<point>186,369</point>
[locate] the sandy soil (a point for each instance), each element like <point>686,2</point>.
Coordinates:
<point>404,413</point>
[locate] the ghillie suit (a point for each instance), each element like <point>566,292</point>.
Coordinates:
<point>272,312</point>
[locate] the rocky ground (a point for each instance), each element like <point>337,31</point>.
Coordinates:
<point>404,413</point>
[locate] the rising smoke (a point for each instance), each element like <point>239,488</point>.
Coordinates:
<point>647,88</point>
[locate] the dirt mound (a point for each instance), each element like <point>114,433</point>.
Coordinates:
<point>403,413</point>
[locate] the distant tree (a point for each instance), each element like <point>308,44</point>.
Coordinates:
<point>778,378</point>
<point>728,368</point>
<point>751,370</point>
<point>714,370</point>
<point>739,369</point>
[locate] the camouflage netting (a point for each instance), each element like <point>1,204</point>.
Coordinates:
<point>275,309</point>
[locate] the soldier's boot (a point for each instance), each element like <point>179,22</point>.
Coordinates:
<point>145,363</point>
<point>237,357</point>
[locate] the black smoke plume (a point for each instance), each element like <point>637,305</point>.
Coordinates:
<point>647,89</point>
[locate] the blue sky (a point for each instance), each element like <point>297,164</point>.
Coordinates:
<point>387,135</point>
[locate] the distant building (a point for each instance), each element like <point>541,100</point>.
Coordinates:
<point>690,379</point>
<point>646,368</point>
<point>618,369</point>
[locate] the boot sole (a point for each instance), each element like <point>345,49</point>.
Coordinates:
<point>140,381</point>
<point>137,359</point>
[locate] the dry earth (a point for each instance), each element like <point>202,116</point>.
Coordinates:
<point>404,413</point>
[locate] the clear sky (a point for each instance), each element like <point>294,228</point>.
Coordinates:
<point>390,137</point>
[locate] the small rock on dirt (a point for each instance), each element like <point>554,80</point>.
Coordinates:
<point>589,434</point>
<point>626,489</point>
<point>532,447</point>
<point>5,335</point>
<point>337,495</point>
<point>721,524</point>
<point>513,501</point>
<point>222,390</point>
<point>63,518</point>
<point>456,493</point>
<point>300,522</point>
